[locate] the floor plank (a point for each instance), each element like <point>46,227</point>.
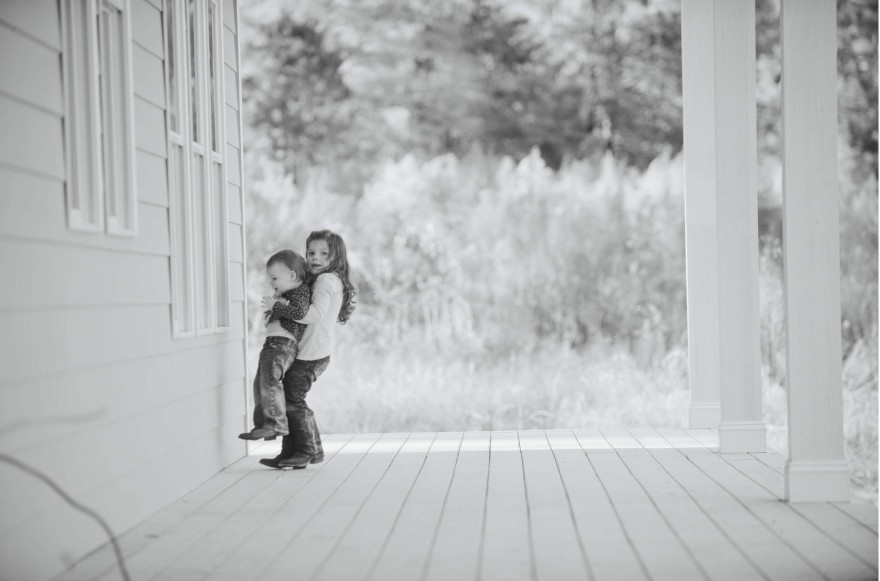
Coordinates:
<point>150,561</point>
<point>706,542</point>
<point>760,473</point>
<point>621,439</point>
<point>774,460</point>
<point>256,553</point>
<point>507,552</point>
<point>555,505</point>
<point>303,554</point>
<point>201,558</point>
<point>863,512</point>
<point>404,556</point>
<point>610,554</point>
<point>360,545</point>
<point>591,440</point>
<point>557,550</point>
<point>705,436</point>
<point>841,529</point>
<point>754,539</point>
<point>456,550</point>
<point>661,551</point>
<point>104,562</point>
<point>828,558</point>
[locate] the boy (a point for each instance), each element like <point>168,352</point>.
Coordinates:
<point>287,272</point>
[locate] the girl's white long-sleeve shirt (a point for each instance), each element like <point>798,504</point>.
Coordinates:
<point>317,341</point>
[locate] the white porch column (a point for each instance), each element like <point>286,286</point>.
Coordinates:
<point>718,46</point>
<point>816,469</point>
<point>698,92</point>
<point>736,160</point>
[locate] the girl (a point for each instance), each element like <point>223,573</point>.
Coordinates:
<point>333,300</point>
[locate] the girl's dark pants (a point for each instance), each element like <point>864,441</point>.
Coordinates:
<point>304,438</point>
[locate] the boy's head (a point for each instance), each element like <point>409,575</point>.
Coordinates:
<point>286,270</point>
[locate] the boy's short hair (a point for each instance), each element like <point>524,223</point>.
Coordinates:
<point>291,260</point>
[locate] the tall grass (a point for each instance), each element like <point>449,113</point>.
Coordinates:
<point>502,295</point>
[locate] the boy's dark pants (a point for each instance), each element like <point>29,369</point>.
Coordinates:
<point>276,357</point>
<point>304,437</point>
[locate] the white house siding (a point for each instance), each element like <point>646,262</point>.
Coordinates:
<point>94,392</point>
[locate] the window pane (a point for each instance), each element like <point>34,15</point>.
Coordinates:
<point>201,249</point>
<point>171,59</point>
<point>193,71</point>
<point>182,306</point>
<point>212,65</point>
<point>105,86</point>
<point>221,245</point>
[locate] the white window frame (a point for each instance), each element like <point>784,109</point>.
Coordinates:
<point>200,254</point>
<point>98,116</point>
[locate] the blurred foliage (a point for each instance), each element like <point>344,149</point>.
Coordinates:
<point>507,177</point>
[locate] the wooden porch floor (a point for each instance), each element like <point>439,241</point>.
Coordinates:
<point>508,506</point>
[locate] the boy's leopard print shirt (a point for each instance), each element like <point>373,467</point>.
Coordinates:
<point>300,298</point>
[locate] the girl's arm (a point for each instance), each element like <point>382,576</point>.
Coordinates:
<point>293,310</point>
<point>322,296</point>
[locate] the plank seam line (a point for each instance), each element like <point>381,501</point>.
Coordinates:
<point>481,553</point>
<point>32,105</point>
<point>271,562</point>
<point>577,530</point>
<point>64,372</point>
<point>752,454</point>
<point>110,422</point>
<point>661,513</point>
<point>375,560</point>
<point>425,565</point>
<point>33,241</point>
<point>623,529</point>
<point>732,465</point>
<point>29,36</point>
<point>533,567</point>
<point>803,516</point>
<point>32,172</point>
<point>75,244</point>
<point>872,531</point>
<point>700,505</point>
<point>772,531</point>
<point>234,552</point>
<point>138,43</point>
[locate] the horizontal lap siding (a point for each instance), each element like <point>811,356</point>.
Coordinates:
<point>94,391</point>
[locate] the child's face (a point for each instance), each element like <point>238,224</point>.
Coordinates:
<point>281,278</point>
<point>318,256</point>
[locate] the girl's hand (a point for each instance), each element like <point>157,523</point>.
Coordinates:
<point>267,303</point>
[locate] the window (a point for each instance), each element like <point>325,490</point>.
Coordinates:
<point>99,144</point>
<point>196,166</point>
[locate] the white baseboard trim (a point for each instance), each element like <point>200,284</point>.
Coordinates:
<point>739,437</point>
<point>704,414</point>
<point>817,481</point>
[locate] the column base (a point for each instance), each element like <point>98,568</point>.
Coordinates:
<point>736,437</point>
<point>704,414</point>
<point>817,481</point>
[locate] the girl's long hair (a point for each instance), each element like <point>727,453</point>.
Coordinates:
<point>339,266</point>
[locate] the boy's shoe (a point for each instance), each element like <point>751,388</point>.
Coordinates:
<point>297,461</point>
<point>260,434</point>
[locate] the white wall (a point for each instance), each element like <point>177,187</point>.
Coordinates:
<point>94,392</point>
